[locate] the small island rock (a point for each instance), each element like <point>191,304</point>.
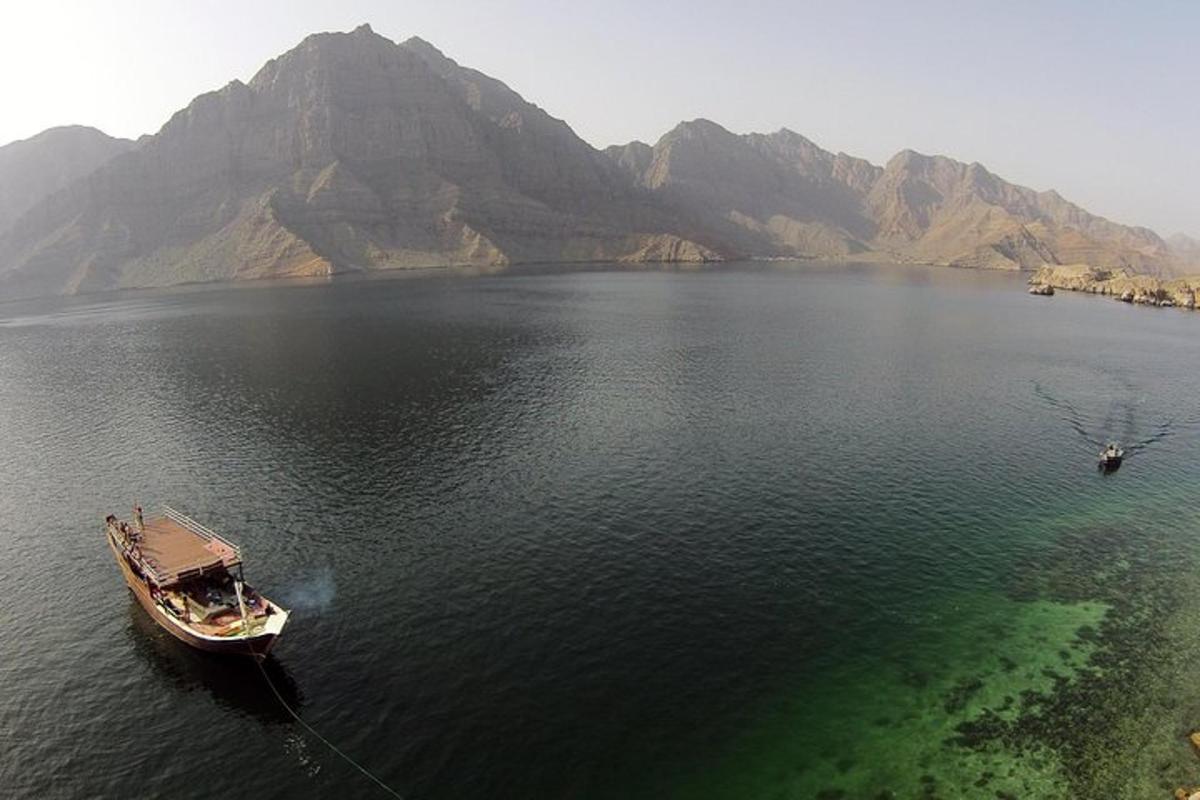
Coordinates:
<point>1121,284</point>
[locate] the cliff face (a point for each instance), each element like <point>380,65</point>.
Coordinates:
<point>34,168</point>
<point>348,152</point>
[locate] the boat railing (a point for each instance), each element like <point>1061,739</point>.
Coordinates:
<point>198,529</point>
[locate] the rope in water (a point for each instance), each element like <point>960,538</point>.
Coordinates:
<point>322,739</point>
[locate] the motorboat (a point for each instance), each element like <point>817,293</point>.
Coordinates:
<point>1110,457</point>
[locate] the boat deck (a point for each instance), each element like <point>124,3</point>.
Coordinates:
<point>175,551</point>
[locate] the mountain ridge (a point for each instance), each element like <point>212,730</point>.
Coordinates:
<point>34,168</point>
<point>348,152</point>
<point>352,152</point>
<point>791,197</point>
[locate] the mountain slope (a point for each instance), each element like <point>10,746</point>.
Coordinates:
<point>937,209</point>
<point>755,195</point>
<point>348,152</point>
<point>34,168</point>
<point>1186,251</point>
<point>781,195</point>
<point>351,152</point>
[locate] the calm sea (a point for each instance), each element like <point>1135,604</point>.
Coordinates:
<point>788,531</point>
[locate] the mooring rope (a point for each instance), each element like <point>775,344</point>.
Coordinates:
<point>313,731</point>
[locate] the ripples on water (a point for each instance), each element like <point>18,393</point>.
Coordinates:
<point>549,535</point>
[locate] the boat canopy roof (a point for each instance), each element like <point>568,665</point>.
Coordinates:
<point>175,548</point>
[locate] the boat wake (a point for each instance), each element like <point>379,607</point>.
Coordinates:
<point>1119,423</point>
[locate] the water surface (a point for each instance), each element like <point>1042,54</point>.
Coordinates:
<point>747,532</point>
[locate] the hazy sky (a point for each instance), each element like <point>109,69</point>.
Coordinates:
<point>1100,100</point>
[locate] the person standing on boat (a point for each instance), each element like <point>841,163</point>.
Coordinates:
<point>138,522</point>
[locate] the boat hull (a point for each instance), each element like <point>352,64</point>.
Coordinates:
<point>257,646</point>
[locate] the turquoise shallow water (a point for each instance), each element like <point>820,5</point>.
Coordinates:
<point>747,532</point>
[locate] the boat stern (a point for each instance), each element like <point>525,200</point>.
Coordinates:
<point>265,635</point>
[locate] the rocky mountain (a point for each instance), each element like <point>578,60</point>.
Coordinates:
<point>1186,250</point>
<point>781,195</point>
<point>941,210</point>
<point>756,195</point>
<point>348,152</point>
<point>352,152</point>
<point>34,168</point>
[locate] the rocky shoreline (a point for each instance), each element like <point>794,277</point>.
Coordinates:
<point>1120,284</point>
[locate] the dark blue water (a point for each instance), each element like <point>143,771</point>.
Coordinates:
<point>601,534</point>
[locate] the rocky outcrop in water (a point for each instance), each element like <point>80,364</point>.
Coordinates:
<point>1122,284</point>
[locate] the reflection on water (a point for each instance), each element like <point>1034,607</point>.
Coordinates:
<point>233,682</point>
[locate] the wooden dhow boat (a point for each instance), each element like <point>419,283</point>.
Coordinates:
<point>189,580</point>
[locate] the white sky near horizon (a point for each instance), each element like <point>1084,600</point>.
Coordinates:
<point>1099,100</point>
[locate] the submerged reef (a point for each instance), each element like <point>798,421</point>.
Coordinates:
<point>1105,722</point>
